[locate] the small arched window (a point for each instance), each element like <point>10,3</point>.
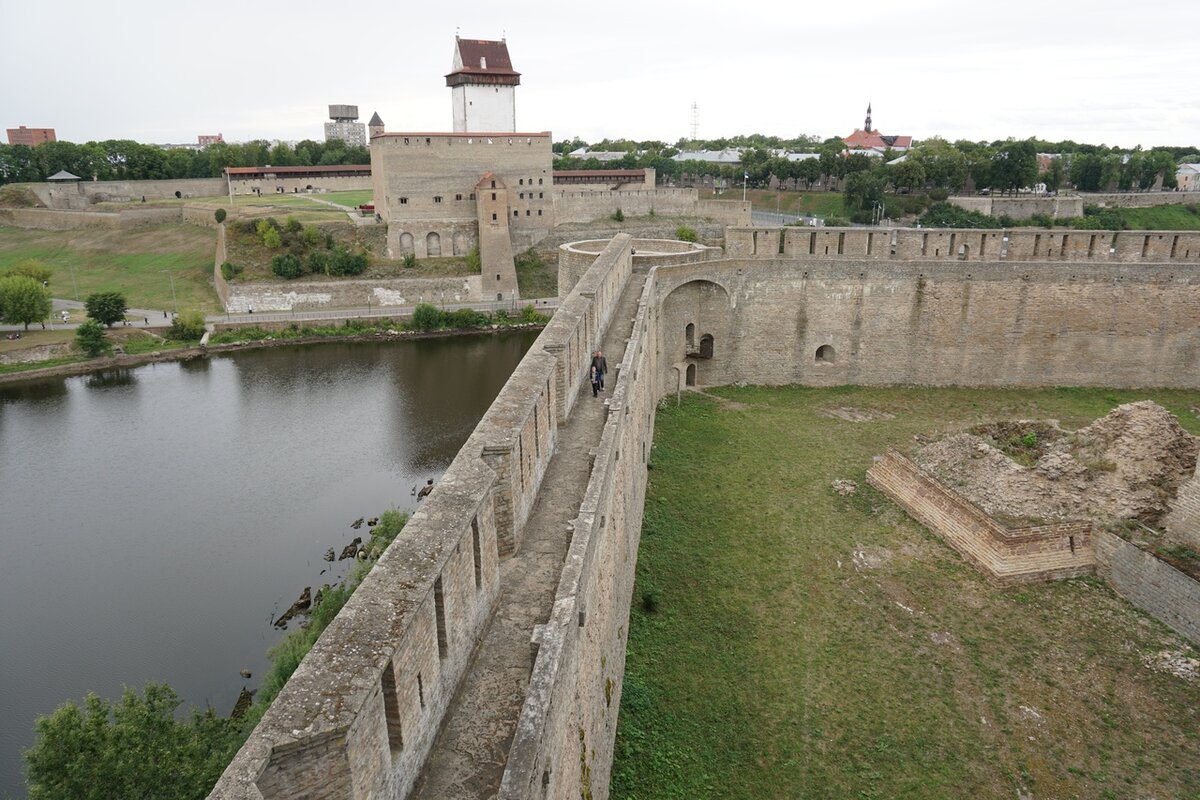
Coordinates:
<point>689,334</point>
<point>825,354</point>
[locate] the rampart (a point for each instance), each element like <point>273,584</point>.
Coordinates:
<point>1006,556</point>
<point>1151,584</point>
<point>574,258</point>
<point>82,194</point>
<point>241,298</point>
<point>1068,205</point>
<point>360,714</point>
<point>59,220</point>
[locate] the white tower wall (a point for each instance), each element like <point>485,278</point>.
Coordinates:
<point>491,109</point>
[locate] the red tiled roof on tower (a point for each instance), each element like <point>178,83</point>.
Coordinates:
<point>482,61</point>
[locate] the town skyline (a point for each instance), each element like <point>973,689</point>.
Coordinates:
<point>1064,72</point>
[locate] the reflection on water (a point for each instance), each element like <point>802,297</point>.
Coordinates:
<point>152,520</point>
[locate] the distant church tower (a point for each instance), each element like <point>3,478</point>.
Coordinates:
<point>375,126</point>
<point>867,124</point>
<point>483,87</point>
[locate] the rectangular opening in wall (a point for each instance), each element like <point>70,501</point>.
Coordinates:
<point>781,242</point>
<point>924,243</point>
<point>1037,245</point>
<point>477,552</point>
<point>439,613</point>
<point>812,243</point>
<point>841,243</point>
<point>870,243</point>
<point>391,708</point>
<point>1062,252</point>
<point>982,244</point>
<point>1091,245</point>
<point>420,690</point>
<point>1174,245</point>
<point>1145,246</point>
<point>952,251</point>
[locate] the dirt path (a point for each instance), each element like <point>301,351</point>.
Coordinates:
<point>468,757</point>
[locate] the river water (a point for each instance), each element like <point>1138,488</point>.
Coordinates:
<point>153,520</point>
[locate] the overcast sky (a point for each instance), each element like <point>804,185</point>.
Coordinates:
<point>1098,72</point>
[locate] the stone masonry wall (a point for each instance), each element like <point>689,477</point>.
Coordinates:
<point>1183,523</point>
<point>382,292</point>
<point>360,713</point>
<point>1150,584</point>
<point>81,194</point>
<point>563,747</point>
<point>1005,556</point>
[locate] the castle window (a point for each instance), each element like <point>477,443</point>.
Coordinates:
<point>493,217</point>
<point>437,198</point>
<point>403,201</point>
<point>539,212</point>
<point>527,212</point>
<point>516,213</point>
<point>493,186</point>
<point>406,140</point>
<point>521,195</point>
<point>825,354</point>
<point>493,193</point>
<point>539,181</point>
<point>472,197</point>
<point>521,181</point>
<point>458,197</point>
<point>539,195</point>
<point>427,140</point>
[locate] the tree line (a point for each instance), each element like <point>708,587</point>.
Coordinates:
<point>935,163</point>
<point>123,159</point>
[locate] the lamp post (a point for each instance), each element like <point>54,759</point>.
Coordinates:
<point>74,283</point>
<point>174,300</point>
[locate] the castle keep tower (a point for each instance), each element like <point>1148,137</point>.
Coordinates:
<point>483,87</point>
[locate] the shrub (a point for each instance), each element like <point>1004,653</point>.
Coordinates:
<point>219,215</point>
<point>188,326</point>
<point>939,195</point>
<point>474,261</point>
<point>342,263</point>
<point>229,271</point>
<point>834,221</point>
<point>312,236</point>
<point>90,338</point>
<point>685,234</point>
<point>318,262</point>
<point>272,239</point>
<point>426,317</point>
<point>619,215</point>
<point>410,260</point>
<point>287,265</point>
<point>466,318</point>
<point>947,215</point>
<point>292,225</point>
<point>1042,220</point>
<point>329,241</point>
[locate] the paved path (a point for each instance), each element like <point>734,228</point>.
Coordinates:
<point>468,756</point>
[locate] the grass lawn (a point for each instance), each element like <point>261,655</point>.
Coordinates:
<point>821,204</point>
<point>536,276</point>
<point>35,337</point>
<point>133,262</point>
<point>1162,218</point>
<point>806,645</point>
<point>352,199</point>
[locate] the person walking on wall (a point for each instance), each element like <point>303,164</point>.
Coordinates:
<point>600,364</point>
<point>594,377</point>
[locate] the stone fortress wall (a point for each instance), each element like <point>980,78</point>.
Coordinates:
<point>80,195</point>
<point>361,712</point>
<point>1024,206</point>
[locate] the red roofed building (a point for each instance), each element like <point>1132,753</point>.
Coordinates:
<point>483,87</point>
<point>873,142</point>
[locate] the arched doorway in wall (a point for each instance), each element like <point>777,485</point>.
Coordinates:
<point>694,316</point>
<point>826,354</point>
<point>406,243</point>
<point>433,244</point>
<point>460,243</point>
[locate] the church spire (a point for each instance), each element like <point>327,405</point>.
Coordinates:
<point>867,125</point>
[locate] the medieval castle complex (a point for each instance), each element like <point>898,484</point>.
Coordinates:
<point>490,186</point>
<point>483,656</point>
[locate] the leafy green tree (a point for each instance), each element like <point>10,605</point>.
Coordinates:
<point>287,265</point>
<point>106,307</point>
<point>135,748</point>
<point>90,338</point>
<point>1014,166</point>
<point>272,239</point>
<point>31,268</point>
<point>1055,174</point>
<point>23,300</point>
<point>219,215</point>
<point>862,191</point>
<point>908,174</point>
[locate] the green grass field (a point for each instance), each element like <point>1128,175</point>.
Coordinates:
<point>806,645</point>
<point>1162,218</point>
<point>133,262</point>
<point>351,199</point>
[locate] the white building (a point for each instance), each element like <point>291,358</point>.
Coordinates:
<point>1188,177</point>
<point>483,87</point>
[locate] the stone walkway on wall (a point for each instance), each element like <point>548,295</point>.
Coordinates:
<point>469,754</point>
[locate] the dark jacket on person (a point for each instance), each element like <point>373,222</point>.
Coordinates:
<point>600,363</point>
